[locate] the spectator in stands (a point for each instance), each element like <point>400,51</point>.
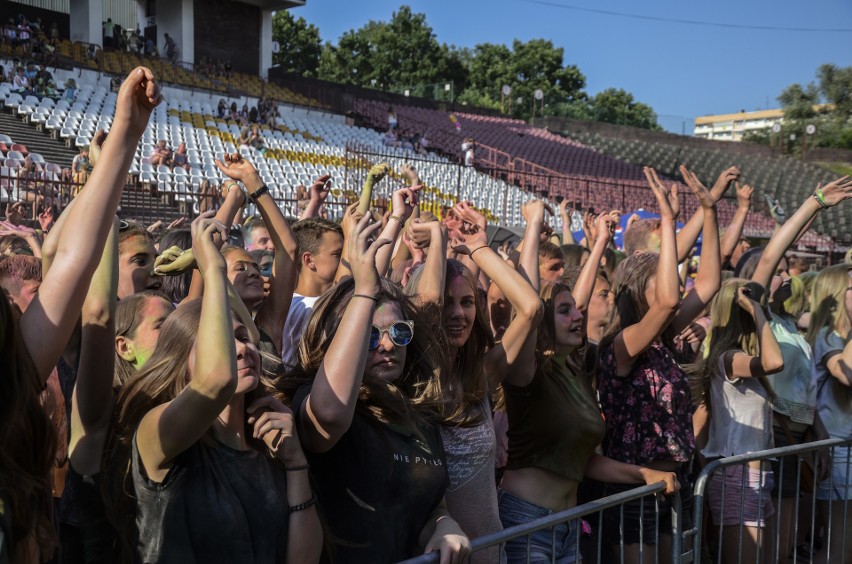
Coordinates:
<point>393,122</point>
<point>180,159</point>
<point>468,147</point>
<point>31,187</point>
<point>151,47</point>
<point>70,90</point>
<point>208,198</point>
<point>42,78</point>
<point>25,35</point>
<point>20,82</point>
<point>108,34</point>
<point>10,32</point>
<point>234,114</point>
<point>170,48</point>
<point>161,154</point>
<point>222,110</point>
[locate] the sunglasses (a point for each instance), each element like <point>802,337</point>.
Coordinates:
<point>400,332</point>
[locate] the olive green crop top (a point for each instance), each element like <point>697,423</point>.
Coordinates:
<point>554,422</point>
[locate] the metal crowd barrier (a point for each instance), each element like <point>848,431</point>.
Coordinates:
<point>690,545</point>
<point>593,509</point>
<point>770,550</point>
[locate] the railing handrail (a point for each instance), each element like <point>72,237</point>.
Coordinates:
<point>548,521</point>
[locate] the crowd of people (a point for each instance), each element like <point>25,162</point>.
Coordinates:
<point>268,391</point>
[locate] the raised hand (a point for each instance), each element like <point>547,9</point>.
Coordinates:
<point>744,195</point>
<point>176,224</point>
<point>205,249</point>
<point>694,334</point>
<point>96,145</point>
<point>15,212</point>
<point>746,301</point>
<point>351,218</point>
<point>471,235</point>
<point>604,227</point>
<point>730,174</point>
<point>320,188</point>
<point>379,171</point>
<point>666,199</point>
<point>404,201</point>
<point>174,261</point>
<point>835,192</point>
<point>45,219</point>
<point>138,96</point>
<point>407,171</point>
<point>237,168</point>
<point>362,255</point>
<point>420,232</point>
<point>705,198</point>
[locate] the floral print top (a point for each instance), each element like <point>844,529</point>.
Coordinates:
<point>649,412</point>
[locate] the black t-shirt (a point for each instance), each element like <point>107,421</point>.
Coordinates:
<point>377,486</point>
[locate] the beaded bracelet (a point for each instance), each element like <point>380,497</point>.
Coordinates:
<point>303,506</point>
<point>396,217</point>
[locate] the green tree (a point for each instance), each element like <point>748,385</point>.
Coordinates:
<point>835,85</point>
<point>618,106</point>
<point>396,55</point>
<point>300,43</point>
<point>798,101</point>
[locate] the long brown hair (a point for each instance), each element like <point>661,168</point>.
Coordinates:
<point>128,316</point>
<point>27,441</point>
<point>382,401</point>
<point>463,386</point>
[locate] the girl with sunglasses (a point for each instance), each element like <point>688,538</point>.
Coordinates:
<point>376,460</point>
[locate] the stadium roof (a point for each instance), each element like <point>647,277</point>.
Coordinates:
<point>275,4</point>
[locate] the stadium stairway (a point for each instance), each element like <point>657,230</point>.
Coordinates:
<point>137,203</point>
<point>53,150</point>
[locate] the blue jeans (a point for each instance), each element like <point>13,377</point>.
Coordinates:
<point>542,547</point>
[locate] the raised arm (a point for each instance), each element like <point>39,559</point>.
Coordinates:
<point>635,339</point>
<point>585,285</point>
<point>319,192</point>
<point>513,358</point>
<point>404,203</point>
<point>709,277</point>
<point>374,176</point>
<point>735,229</point>
<point>565,215</point>
<point>688,234</point>
<point>832,194</point>
<point>273,310</point>
<point>327,413</point>
<point>350,219</point>
<point>169,429</point>
<point>49,320</point>
<point>93,400</point>
<point>434,276</point>
<point>741,365</point>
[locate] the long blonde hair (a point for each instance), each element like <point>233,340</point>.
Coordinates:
<point>732,328</point>
<point>828,299</point>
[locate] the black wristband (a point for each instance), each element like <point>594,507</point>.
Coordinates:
<point>259,192</point>
<point>303,506</point>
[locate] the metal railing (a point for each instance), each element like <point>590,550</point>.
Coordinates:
<point>771,535</point>
<point>577,514</point>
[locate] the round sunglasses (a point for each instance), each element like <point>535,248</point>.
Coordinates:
<point>400,332</point>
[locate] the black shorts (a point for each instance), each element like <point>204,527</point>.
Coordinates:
<point>790,487</point>
<point>655,522</point>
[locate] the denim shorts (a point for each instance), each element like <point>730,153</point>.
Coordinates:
<point>557,544</point>
<point>839,486</point>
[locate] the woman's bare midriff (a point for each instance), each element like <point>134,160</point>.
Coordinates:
<point>541,487</point>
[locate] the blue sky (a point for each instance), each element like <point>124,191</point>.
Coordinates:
<point>681,70</point>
